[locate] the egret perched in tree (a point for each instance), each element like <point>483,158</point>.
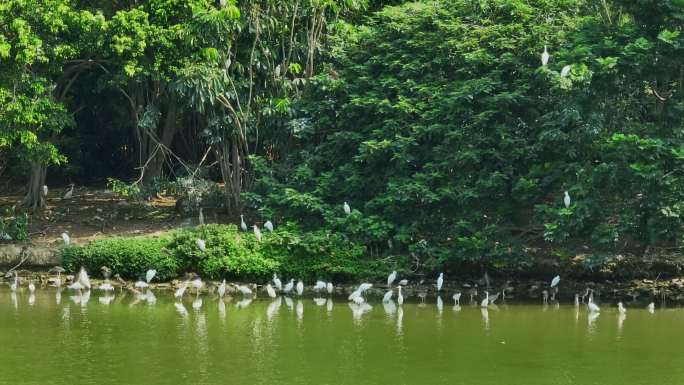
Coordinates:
<point>202,245</point>
<point>555,281</point>
<point>440,281</point>
<point>269,226</point>
<point>243,225</point>
<point>566,199</point>
<point>388,296</point>
<point>69,193</point>
<point>621,308</point>
<point>276,282</point>
<point>330,287</point>
<point>457,298</point>
<point>391,278</point>
<point>565,71</point>
<point>300,288</point>
<point>320,285</point>
<point>485,302</point>
<point>270,291</point>
<point>651,307</point>
<point>201,217</point>
<point>66,239</point>
<point>83,279</point>
<point>288,287</point>
<point>545,56</point>
<point>347,209</point>
<point>257,233</point>
<point>400,298</point>
<point>222,289</point>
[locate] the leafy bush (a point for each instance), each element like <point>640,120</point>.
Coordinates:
<point>129,257</point>
<point>14,229</point>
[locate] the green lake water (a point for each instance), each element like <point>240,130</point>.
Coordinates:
<point>134,341</point>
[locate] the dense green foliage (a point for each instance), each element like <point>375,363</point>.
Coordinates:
<point>435,120</point>
<point>230,254</point>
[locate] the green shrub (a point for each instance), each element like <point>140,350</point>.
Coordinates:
<point>129,257</point>
<point>14,229</point>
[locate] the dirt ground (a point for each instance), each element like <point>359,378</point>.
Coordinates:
<point>94,213</point>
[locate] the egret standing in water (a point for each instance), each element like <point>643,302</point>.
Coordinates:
<point>330,287</point>
<point>545,57</point>
<point>202,245</point>
<point>222,289</point>
<point>288,287</point>
<point>83,279</point>
<point>387,297</point>
<point>347,209</point>
<point>457,298</point>
<point>391,278</point>
<point>651,307</point>
<point>621,308</point>
<point>59,270</point>
<point>270,291</point>
<point>243,225</point>
<point>181,290</point>
<point>485,302</point>
<point>440,281</point>
<point>593,308</point>
<point>566,199</point>
<point>257,233</point>
<point>400,298</point>
<point>269,226</point>
<point>300,288</point>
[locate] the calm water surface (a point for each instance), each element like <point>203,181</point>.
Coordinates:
<point>131,341</point>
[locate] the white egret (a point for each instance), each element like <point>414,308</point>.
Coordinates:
<point>485,302</point>
<point>66,239</point>
<point>31,287</point>
<point>347,209</point>
<point>45,191</point>
<point>202,245</point>
<point>565,71</point>
<point>493,298</point>
<point>593,308</point>
<point>403,282</point>
<point>197,284</point>
<point>330,287</point>
<point>222,289</point>
<point>181,290</point>
<point>268,226</point>
<point>320,285</point>
<point>391,278</point>
<point>457,298</point>
<point>621,308</point>
<point>15,283</point>
<point>300,287</point>
<point>243,225</point>
<point>354,294</point>
<point>141,285</point>
<point>440,281</point>
<point>364,286</point>
<point>545,56</point>
<point>257,233</point>
<point>244,290</point>
<point>358,300</point>
<point>105,286</point>
<point>400,298</point>
<point>270,291</point>
<point>288,286</point>
<point>75,286</point>
<point>388,296</point>
<point>276,281</point>
<point>651,307</point>
<point>566,199</point>
<point>150,274</point>
<point>83,279</point>
<point>59,270</point>
<point>555,281</point>
<point>201,217</point>
<point>70,192</point>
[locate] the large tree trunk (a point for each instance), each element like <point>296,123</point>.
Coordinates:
<point>231,163</point>
<point>157,154</point>
<point>34,196</point>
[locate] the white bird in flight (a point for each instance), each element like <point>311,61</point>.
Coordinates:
<point>347,209</point>
<point>269,226</point>
<point>202,245</point>
<point>545,56</point>
<point>391,278</point>
<point>566,199</point>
